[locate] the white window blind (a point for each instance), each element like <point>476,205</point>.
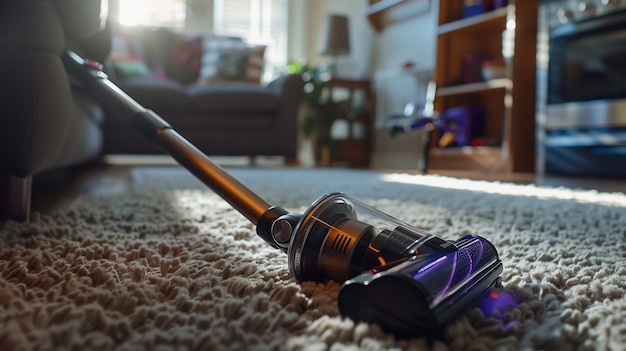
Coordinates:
<point>153,13</point>
<point>262,22</point>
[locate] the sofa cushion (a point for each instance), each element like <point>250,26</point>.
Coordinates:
<point>240,97</point>
<point>35,98</point>
<point>92,18</point>
<point>31,25</point>
<point>231,60</point>
<point>129,67</point>
<point>184,60</point>
<point>157,94</point>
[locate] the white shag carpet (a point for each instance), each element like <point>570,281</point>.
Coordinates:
<point>170,266</point>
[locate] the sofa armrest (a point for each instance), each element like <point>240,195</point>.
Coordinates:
<point>290,89</point>
<point>284,83</point>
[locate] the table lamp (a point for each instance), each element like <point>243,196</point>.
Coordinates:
<point>336,39</point>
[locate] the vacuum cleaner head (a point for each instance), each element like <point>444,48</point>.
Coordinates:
<point>396,275</point>
<point>425,292</point>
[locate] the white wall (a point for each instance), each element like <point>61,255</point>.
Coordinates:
<point>412,39</point>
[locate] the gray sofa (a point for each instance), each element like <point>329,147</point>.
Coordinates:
<point>233,118</point>
<point>222,119</point>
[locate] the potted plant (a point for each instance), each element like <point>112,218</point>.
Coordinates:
<point>319,118</point>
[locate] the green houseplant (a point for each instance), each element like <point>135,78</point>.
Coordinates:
<point>319,117</point>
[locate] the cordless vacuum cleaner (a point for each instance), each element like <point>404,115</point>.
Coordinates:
<point>399,276</point>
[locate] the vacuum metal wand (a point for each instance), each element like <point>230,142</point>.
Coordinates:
<point>161,133</point>
<point>211,174</point>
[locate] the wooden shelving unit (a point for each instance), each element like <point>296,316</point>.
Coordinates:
<point>382,12</point>
<point>376,9</point>
<point>509,102</point>
<point>486,20</point>
<point>478,87</point>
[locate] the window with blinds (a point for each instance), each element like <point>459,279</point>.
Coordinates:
<point>261,22</point>
<point>153,13</point>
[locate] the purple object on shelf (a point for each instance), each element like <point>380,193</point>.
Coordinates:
<point>500,3</point>
<point>465,122</point>
<point>472,67</point>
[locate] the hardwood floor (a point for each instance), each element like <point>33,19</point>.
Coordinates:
<point>51,190</point>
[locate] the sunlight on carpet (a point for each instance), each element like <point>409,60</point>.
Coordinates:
<point>589,196</point>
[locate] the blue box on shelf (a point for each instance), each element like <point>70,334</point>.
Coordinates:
<point>476,7</point>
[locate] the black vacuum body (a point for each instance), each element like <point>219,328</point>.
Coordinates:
<point>408,281</point>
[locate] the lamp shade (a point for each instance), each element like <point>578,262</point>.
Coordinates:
<point>337,38</point>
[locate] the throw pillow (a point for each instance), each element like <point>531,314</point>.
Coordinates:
<point>129,67</point>
<point>231,60</point>
<point>185,58</point>
<point>126,57</point>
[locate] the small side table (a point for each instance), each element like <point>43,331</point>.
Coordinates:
<point>351,102</point>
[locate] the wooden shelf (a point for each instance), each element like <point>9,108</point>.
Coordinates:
<point>487,21</point>
<point>353,107</point>
<point>376,7</point>
<point>502,83</point>
<point>468,150</point>
<point>381,13</point>
<point>508,103</point>
<point>483,158</point>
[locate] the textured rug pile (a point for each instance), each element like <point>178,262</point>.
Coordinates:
<point>169,265</point>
